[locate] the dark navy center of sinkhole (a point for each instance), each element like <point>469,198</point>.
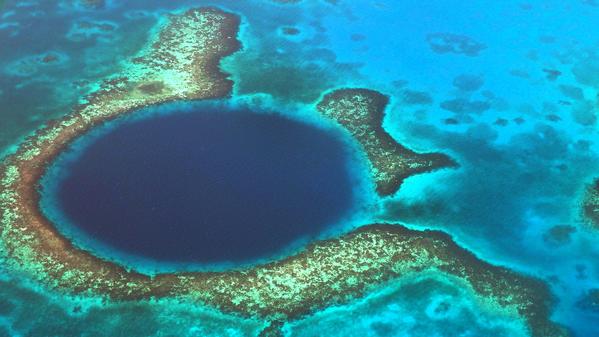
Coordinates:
<point>207,186</point>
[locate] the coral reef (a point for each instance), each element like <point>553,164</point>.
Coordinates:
<point>86,29</point>
<point>443,43</point>
<point>182,63</point>
<point>590,301</point>
<point>591,204</point>
<point>92,4</point>
<point>361,112</point>
<point>286,1</point>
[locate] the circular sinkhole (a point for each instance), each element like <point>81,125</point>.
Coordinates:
<point>214,185</point>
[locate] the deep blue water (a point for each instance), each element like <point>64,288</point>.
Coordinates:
<point>526,141</point>
<point>206,186</point>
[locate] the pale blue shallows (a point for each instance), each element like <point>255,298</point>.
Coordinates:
<point>508,88</point>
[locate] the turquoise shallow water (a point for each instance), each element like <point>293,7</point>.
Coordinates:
<point>508,88</point>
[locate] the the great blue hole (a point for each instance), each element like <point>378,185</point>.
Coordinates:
<point>205,186</point>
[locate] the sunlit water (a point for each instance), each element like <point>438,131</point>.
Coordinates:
<point>508,88</point>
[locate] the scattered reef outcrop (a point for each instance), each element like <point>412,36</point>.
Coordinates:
<point>361,112</point>
<point>590,204</point>
<point>182,63</point>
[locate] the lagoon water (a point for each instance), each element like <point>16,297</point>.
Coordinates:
<point>204,186</point>
<point>507,88</point>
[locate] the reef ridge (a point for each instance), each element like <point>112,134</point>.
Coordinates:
<point>590,204</point>
<point>361,112</point>
<point>182,63</point>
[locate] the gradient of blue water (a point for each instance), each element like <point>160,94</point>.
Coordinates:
<point>516,181</point>
<point>204,186</point>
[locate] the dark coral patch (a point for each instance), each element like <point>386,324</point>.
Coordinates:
<point>559,234</point>
<point>464,105</point>
<point>291,31</point>
<point>468,82</point>
<point>591,204</point>
<point>278,74</point>
<point>590,301</point>
<point>152,88</point>
<point>444,43</point>
<point>414,97</point>
<point>93,4</point>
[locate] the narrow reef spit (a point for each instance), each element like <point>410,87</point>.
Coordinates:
<point>590,204</point>
<point>361,112</point>
<point>182,63</point>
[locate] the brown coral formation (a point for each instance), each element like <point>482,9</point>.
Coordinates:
<point>93,4</point>
<point>591,204</point>
<point>182,63</point>
<point>361,112</point>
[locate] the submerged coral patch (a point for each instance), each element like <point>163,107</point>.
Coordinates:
<point>590,301</point>
<point>33,64</point>
<point>444,43</point>
<point>591,204</point>
<point>361,112</point>
<point>82,30</point>
<point>270,66</point>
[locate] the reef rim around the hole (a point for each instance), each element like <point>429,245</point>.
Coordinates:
<point>182,63</point>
